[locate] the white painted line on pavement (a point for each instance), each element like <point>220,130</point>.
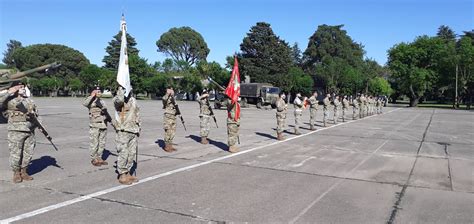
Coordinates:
<point>120,187</point>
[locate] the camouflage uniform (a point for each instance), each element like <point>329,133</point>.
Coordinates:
<point>345,107</point>
<point>21,131</point>
<point>355,108</point>
<point>326,103</point>
<point>127,122</point>
<point>370,106</point>
<point>169,118</point>
<point>360,100</point>
<point>97,126</point>
<point>299,104</point>
<point>205,116</point>
<point>232,124</point>
<point>313,102</point>
<point>280,115</point>
<point>337,108</point>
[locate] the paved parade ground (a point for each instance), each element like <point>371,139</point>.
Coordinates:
<point>407,165</point>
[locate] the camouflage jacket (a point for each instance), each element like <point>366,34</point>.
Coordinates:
<point>231,109</point>
<point>127,117</point>
<point>355,103</point>
<point>337,104</point>
<point>281,106</point>
<point>313,102</point>
<point>168,104</point>
<point>298,103</point>
<point>96,117</point>
<point>15,113</point>
<point>345,103</point>
<point>204,106</point>
<point>326,103</point>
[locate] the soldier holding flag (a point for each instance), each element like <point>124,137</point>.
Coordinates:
<point>127,117</point>
<point>233,108</point>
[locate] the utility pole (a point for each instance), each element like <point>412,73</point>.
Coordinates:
<point>456,100</point>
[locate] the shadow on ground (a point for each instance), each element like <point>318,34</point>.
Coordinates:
<point>38,165</point>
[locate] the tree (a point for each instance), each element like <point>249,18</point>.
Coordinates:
<point>264,56</point>
<point>446,33</point>
<point>112,58</point>
<point>413,66</point>
<point>8,54</point>
<point>300,82</point>
<point>72,62</point>
<point>156,84</point>
<point>139,70</point>
<point>90,76</point>
<point>296,55</point>
<point>379,86</point>
<point>465,55</point>
<point>331,53</point>
<point>183,44</point>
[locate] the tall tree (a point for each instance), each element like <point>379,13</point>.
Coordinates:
<point>413,66</point>
<point>8,54</point>
<point>183,44</point>
<point>446,33</point>
<point>264,56</point>
<point>296,54</point>
<point>331,53</point>
<point>111,60</point>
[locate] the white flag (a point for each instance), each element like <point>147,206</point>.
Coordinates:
<point>123,75</point>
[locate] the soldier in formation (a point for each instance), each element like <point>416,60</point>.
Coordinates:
<point>233,125</point>
<point>326,103</point>
<point>127,125</point>
<point>337,108</point>
<point>345,107</point>
<point>169,119</point>
<point>18,109</point>
<point>281,110</point>
<point>97,126</point>
<point>355,107</point>
<point>205,116</point>
<point>313,108</point>
<point>299,105</point>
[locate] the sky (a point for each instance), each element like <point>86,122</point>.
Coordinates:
<point>88,25</point>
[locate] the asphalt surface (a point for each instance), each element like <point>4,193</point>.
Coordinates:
<point>404,166</point>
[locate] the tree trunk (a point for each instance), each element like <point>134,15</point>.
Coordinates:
<point>414,101</point>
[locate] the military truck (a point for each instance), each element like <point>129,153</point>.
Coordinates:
<point>260,94</point>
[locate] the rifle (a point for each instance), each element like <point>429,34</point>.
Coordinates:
<point>212,112</point>
<point>33,118</point>
<point>105,112</point>
<point>178,112</point>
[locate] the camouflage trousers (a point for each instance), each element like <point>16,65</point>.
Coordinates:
<point>169,123</point>
<point>280,122</point>
<point>298,115</point>
<point>344,111</point>
<point>21,145</point>
<point>336,116</point>
<point>127,146</point>
<point>361,111</point>
<point>97,138</point>
<point>232,132</point>
<point>354,112</point>
<point>312,117</point>
<point>205,125</point>
<point>325,115</point>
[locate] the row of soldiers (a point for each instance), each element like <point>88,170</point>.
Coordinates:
<point>23,120</point>
<point>361,106</point>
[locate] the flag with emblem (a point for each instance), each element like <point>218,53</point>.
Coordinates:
<point>123,74</point>
<point>233,88</point>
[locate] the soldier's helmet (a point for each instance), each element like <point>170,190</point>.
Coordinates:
<point>204,91</point>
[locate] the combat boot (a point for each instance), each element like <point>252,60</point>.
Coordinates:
<point>233,149</point>
<point>168,148</point>
<point>124,180</point>
<point>297,132</point>
<point>102,162</point>
<point>96,162</point>
<point>313,128</point>
<point>133,179</point>
<point>16,177</point>
<point>24,175</point>
<point>204,141</point>
<point>280,137</point>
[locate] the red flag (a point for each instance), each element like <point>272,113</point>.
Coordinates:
<point>233,88</point>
